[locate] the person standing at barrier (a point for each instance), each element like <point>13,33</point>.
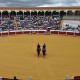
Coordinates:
<point>38,49</point>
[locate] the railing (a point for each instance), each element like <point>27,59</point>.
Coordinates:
<point>16,32</point>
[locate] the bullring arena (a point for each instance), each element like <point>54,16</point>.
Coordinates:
<point>20,31</point>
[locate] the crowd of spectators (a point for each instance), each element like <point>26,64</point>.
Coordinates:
<point>29,23</point>
<point>34,23</point>
<point>67,27</point>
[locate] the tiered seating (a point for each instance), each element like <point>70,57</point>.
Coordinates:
<point>29,23</point>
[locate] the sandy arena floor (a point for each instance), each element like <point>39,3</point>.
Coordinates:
<point>18,57</point>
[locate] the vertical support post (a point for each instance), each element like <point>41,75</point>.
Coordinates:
<point>23,14</point>
<point>1,15</point>
<point>30,14</point>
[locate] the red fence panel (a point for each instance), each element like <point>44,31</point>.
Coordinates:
<point>4,33</point>
<point>62,32</point>
<point>41,32</point>
<point>76,77</point>
<point>27,32</point>
<point>11,33</point>
<point>70,33</point>
<point>78,34</point>
<point>19,32</point>
<point>0,34</point>
<point>54,32</point>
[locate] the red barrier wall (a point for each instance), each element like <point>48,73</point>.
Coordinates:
<point>54,32</point>
<point>18,32</point>
<point>26,32</point>
<point>11,33</point>
<point>39,32</point>
<point>5,34</point>
<point>70,33</point>
<point>8,79</point>
<point>62,32</point>
<point>76,77</point>
<point>33,32</point>
<point>78,34</point>
<point>0,34</point>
